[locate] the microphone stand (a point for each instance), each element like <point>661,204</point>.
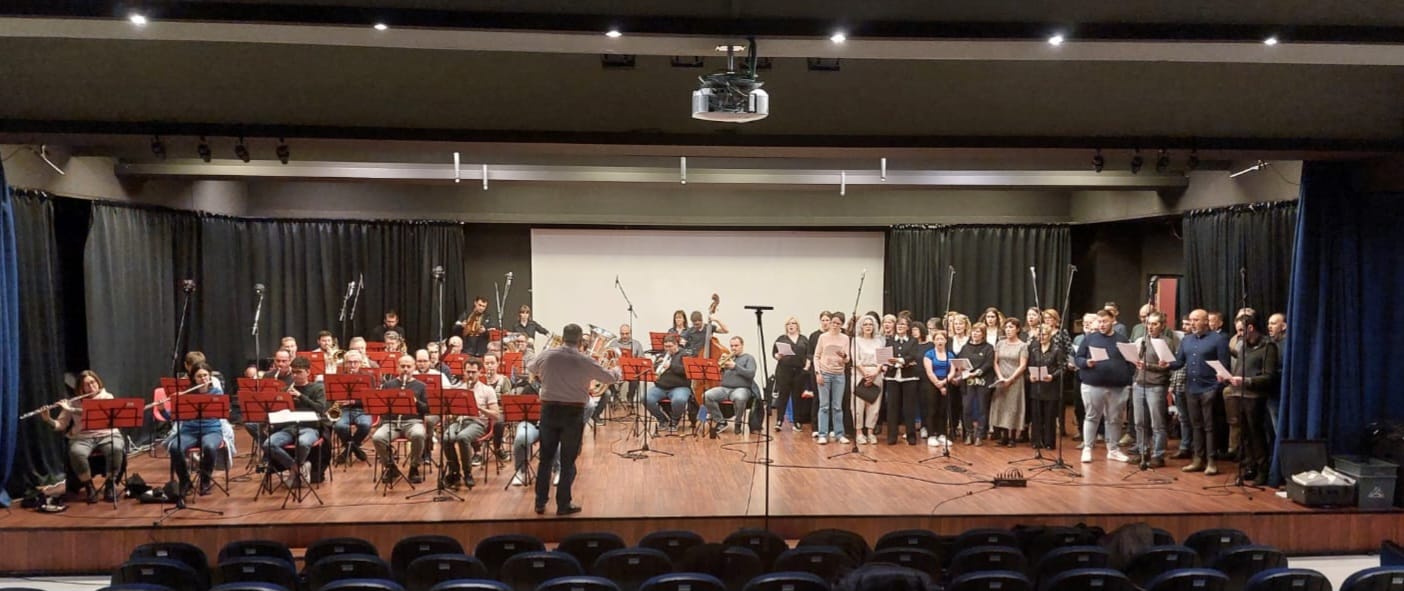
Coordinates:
<point>1058,463</point>
<point>438,273</point>
<point>258,311</point>
<point>187,286</point>
<point>345,303</point>
<point>1144,449</point>
<point>641,452</point>
<point>946,447</point>
<point>1033,342</point>
<point>1238,481</point>
<point>360,286</point>
<point>629,320</point>
<point>764,409</point>
<point>852,380</point>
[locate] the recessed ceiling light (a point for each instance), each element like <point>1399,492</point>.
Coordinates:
<point>838,37</point>
<point>1270,41</point>
<point>381,26</point>
<point>137,19</point>
<point>614,34</point>
<point>1056,39</point>
<point>733,48</point>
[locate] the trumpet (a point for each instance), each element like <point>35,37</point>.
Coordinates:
<point>48,407</point>
<point>173,396</point>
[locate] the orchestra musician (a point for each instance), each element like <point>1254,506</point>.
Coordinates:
<point>738,380</point>
<point>670,381</point>
<point>528,326</point>
<point>408,426</point>
<point>699,333</point>
<point>626,341</point>
<point>473,328</point>
<point>391,322</point>
<point>326,345</point>
<point>288,344</point>
<point>394,343</point>
<point>81,443</point>
<point>359,344</point>
<point>281,371</point>
<point>205,433</point>
<point>461,434</point>
<point>500,385</point>
<point>354,425</point>
<point>307,395</point>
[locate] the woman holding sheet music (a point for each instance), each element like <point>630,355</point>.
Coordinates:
<point>1047,361</point>
<point>789,370</point>
<point>974,384</point>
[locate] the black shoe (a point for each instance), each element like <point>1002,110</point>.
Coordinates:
<point>570,509</point>
<point>389,474</point>
<point>541,509</point>
<point>206,486</point>
<point>1183,454</point>
<point>468,481</point>
<point>414,476</point>
<point>360,454</point>
<point>90,492</point>
<point>109,492</point>
<point>502,455</point>
<point>452,479</point>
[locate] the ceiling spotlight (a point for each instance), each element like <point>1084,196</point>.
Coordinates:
<point>1193,161</point>
<point>203,149</point>
<point>1270,41</point>
<point>1137,161</point>
<point>380,26</point>
<point>1162,162</point>
<point>284,154</point>
<point>1098,162</point>
<point>158,148</point>
<point>614,34</point>
<point>732,48</point>
<point>241,151</point>
<point>137,19</point>
<point>1056,39</point>
<point>838,37</point>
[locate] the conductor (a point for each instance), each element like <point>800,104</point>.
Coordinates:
<point>565,374</point>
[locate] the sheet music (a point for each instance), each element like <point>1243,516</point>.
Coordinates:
<point>958,363</point>
<point>1129,351</point>
<point>1098,354</point>
<point>1219,368</point>
<point>1036,372</point>
<point>784,349</point>
<point>883,354</point>
<point>282,417</point>
<point>1162,350</point>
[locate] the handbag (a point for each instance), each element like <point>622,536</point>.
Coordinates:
<point>868,392</point>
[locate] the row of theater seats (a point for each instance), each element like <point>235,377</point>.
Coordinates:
<point>1048,559</point>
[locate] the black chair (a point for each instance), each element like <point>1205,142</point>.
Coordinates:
<point>630,567</point>
<point>524,571</point>
<point>1162,537</point>
<point>1391,553</point>
<point>251,586</point>
<point>339,567</point>
<point>924,539</point>
<point>363,585</point>
<point>828,562</point>
<point>586,547</point>
<point>258,569</point>
<point>494,551</point>
<point>257,549</point>
<point>1209,543</point>
<point>471,585</point>
<point>986,536</point>
<point>850,543</point>
<point>1069,558</point>
<point>1048,539</point>
<point>578,583</point>
<point>992,580</point>
<point>320,549</point>
<point>766,544</point>
<point>673,542</point>
<point>167,572</point>
<point>410,548</point>
<point>1379,578</point>
<point>921,560</point>
<point>981,558</point>
<point>734,565</point>
<point>121,587</point>
<point>788,581</point>
<point>683,582</point>
<point>1242,562</point>
<point>885,577</point>
<point>1083,579</point>
<point>189,554</point>
<point>425,572</point>
<point>1189,579</point>
<point>1158,560</point>
<point>1288,579</point>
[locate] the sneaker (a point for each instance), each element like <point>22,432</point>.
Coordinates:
<point>933,442</point>
<point>862,439</point>
<point>1116,456</point>
<point>519,479</point>
<point>942,440</point>
<point>814,434</point>
<point>1157,462</point>
<point>414,476</point>
<point>477,460</point>
<point>844,439</point>
<point>779,425</point>
<point>823,440</point>
<point>503,455</point>
<point>923,432</point>
<point>724,427</point>
<point>1086,455</point>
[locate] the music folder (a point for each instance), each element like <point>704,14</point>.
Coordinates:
<point>283,417</point>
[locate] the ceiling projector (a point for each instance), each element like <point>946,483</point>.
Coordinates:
<point>731,96</point>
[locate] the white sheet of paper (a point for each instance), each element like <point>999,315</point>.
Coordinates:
<point>961,364</point>
<point>280,417</point>
<point>1097,353</point>
<point>1129,351</point>
<point>784,349</point>
<point>883,354</point>
<point>1162,350</point>
<point>1219,368</point>
<point>1036,372</point>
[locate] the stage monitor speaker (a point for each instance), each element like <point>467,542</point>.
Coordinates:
<point>1302,455</point>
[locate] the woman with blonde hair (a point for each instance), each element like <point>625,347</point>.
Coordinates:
<point>975,384</point>
<point>867,376</point>
<point>789,369</point>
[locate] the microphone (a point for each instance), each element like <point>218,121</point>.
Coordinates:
<point>616,281</point>
<point>509,280</point>
<point>1033,274</point>
<point>438,271</point>
<point>864,275</point>
<point>188,285</point>
<point>951,268</point>
<point>258,288</point>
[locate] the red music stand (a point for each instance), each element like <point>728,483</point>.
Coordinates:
<point>173,385</point>
<point>200,407</point>
<point>702,369</point>
<point>636,369</point>
<point>444,403</point>
<point>317,360</point>
<point>455,363</point>
<point>375,346</point>
<point>380,357</point>
<point>433,383</point>
<point>494,335</point>
<point>261,385</point>
<point>386,372</point>
<point>347,387</point>
<point>113,413</point>
<point>515,409</point>
<point>656,339</point>
<point>255,406</point>
<point>391,402</point>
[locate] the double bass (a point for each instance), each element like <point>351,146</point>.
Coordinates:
<point>711,349</point>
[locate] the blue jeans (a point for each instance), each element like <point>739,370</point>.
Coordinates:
<point>1186,429</point>
<point>1108,402</point>
<point>209,442</point>
<point>831,404</point>
<point>306,436</point>
<point>713,398</point>
<point>975,410</point>
<point>677,403</point>
<point>1150,412</point>
<point>353,416</point>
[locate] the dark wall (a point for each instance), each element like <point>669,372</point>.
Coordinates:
<point>1116,260</point>
<point>493,251</point>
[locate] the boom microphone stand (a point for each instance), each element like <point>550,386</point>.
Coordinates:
<point>438,273</point>
<point>1033,342</point>
<point>258,311</point>
<point>946,447</point>
<point>1238,482</point>
<point>641,452</point>
<point>1058,463</point>
<point>764,410</point>
<point>852,379</point>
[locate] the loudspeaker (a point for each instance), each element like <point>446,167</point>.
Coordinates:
<point>1302,455</point>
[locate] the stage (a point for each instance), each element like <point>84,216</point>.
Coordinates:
<point>712,486</point>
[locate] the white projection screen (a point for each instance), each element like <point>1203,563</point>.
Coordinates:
<point>799,273</point>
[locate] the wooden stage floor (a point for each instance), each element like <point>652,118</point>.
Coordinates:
<point>712,486</point>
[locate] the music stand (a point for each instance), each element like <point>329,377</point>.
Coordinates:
<point>317,360</point>
<point>255,406</point>
<point>455,363</point>
<point>300,489</point>
<point>391,402</point>
<point>113,413</point>
<point>704,370</point>
<point>199,407</point>
<point>655,340</point>
<point>251,386</point>
<point>444,403</point>
<point>639,369</point>
<point>380,357</point>
<point>173,385</point>
<point>347,389</point>
<point>512,362</point>
<point>515,409</point>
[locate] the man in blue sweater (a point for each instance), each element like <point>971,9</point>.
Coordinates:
<point>1201,386</point>
<point>1104,385</point>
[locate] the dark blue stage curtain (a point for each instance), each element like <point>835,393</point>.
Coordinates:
<point>1227,248</point>
<point>1347,281</point>
<point>9,338</point>
<point>991,262</point>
